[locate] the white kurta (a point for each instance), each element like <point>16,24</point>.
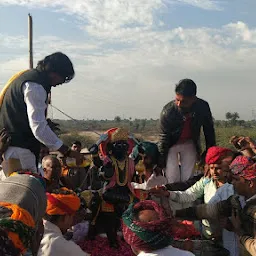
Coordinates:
<point>35,98</point>
<point>167,251</point>
<point>54,244</point>
<point>230,239</point>
<point>153,181</point>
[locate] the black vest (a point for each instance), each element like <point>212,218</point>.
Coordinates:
<point>13,112</point>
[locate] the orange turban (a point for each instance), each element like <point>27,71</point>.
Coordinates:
<point>62,204</point>
<point>23,216</point>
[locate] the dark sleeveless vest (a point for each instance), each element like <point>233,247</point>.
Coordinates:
<point>13,112</point>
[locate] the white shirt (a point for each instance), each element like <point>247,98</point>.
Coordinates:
<point>35,98</point>
<point>153,181</point>
<point>230,239</point>
<point>54,244</point>
<point>167,251</point>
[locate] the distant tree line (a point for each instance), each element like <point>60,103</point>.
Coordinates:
<point>143,128</point>
<point>136,125</point>
<point>141,125</point>
<point>70,130</point>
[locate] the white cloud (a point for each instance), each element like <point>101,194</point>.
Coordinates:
<point>204,4</point>
<point>138,78</point>
<point>13,41</point>
<point>242,32</point>
<point>104,14</point>
<point>113,14</point>
<point>137,81</point>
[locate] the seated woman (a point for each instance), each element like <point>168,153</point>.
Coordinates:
<point>218,160</point>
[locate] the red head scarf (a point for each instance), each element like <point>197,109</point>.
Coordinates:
<point>215,153</point>
<point>240,163</point>
<point>248,173</point>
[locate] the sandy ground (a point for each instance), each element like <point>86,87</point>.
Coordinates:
<point>95,136</point>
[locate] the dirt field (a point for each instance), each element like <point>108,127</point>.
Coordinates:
<point>94,136</point>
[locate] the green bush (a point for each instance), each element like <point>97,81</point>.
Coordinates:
<point>223,135</point>
<point>147,128</point>
<point>68,139</point>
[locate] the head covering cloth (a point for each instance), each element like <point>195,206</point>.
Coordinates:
<point>215,154</point>
<point>146,236</point>
<point>115,134</point>
<point>62,204</point>
<point>22,205</point>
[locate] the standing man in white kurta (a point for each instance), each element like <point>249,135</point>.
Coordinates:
<point>23,107</point>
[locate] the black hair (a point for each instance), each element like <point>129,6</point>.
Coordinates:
<point>59,63</point>
<point>52,218</point>
<point>77,142</point>
<point>5,212</point>
<point>186,87</point>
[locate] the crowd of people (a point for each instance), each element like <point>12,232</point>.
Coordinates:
<point>144,189</point>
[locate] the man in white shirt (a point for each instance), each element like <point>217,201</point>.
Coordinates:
<point>61,208</point>
<point>146,156</point>
<point>148,231</point>
<point>23,107</point>
<point>44,151</point>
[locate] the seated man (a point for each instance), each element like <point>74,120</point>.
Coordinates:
<point>218,159</point>
<point>44,151</point>
<point>147,230</point>
<point>62,205</point>
<point>146,156</point>
<point>22,206</point>
<point>243,216</point>
<point>76,175</point>
<point>52,172</point>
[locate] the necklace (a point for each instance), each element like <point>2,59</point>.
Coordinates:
<point>121,165</point>
<point>117,168</point>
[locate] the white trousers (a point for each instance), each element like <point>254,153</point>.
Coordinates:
<point>184,154</point>
<point>26,158</point>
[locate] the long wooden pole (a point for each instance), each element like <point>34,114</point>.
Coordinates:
<point>30,40</point>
